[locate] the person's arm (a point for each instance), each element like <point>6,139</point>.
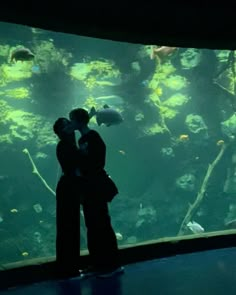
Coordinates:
<point>66,155</point>
<point>93,157</point>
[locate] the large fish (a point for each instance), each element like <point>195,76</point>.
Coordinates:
<point>107,116</point>
<point>22,54</point>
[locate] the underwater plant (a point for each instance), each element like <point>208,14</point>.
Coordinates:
<point>227,81</point>
<point>202,191</point>
<point>167,112</point>
<point>163,81</point>
<point>36,172</point>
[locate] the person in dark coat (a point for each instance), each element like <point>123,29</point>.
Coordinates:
<point>67,199</point>
<point>101,238</point>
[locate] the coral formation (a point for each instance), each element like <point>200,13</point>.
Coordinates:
<point>49,58</point>
<point>23,126</point>
<point>15,72</point>
<point>186,182</point>
<point>161,73</point>
<point>190,58</point>
<point>4,50</point>
<point>175,82</point>
<point>154,129</point>
<point>195,123</point>
<point>167,152</point>
<point>96,73</point>
<point>16,93</point>
<point>222,55</point>
<point>176,100</point>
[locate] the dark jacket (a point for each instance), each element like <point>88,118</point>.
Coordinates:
<point>92,166</point>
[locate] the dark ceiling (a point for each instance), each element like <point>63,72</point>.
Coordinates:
<point>200,25</point>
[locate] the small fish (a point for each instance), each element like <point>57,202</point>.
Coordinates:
<point>184,137</point>
<point>36,69</point>
<point>23,54</point>
<point>13,210</point>
<point>162,52</point>
<point>37,208</point>
<point>220,142</point>
<point>37,237</point>
<point>122,152</point>
<point>25,254</point>
<point>107,116</point>
<point>119,236</point>
<point>110,99</point>
<point>195,227</point>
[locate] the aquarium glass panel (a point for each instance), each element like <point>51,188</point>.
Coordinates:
<point>166,114</point>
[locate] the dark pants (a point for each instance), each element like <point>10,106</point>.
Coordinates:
<point>101,238</point>
<point>68,222</point>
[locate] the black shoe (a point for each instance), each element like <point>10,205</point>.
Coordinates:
<point>89,271</point>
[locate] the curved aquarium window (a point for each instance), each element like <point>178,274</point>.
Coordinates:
<point>173,156</point>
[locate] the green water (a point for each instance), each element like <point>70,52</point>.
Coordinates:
<point>178,111</point>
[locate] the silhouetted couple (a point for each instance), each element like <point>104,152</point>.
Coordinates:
<point>84,181</point>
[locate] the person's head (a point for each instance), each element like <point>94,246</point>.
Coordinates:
<point>59,128</point>
<point>79,117</point>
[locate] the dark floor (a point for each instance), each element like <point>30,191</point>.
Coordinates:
<point>203,273</point>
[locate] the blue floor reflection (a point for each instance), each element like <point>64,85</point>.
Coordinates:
<point>204,273</point>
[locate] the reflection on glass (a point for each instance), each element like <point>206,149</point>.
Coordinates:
<point>173,157</point>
